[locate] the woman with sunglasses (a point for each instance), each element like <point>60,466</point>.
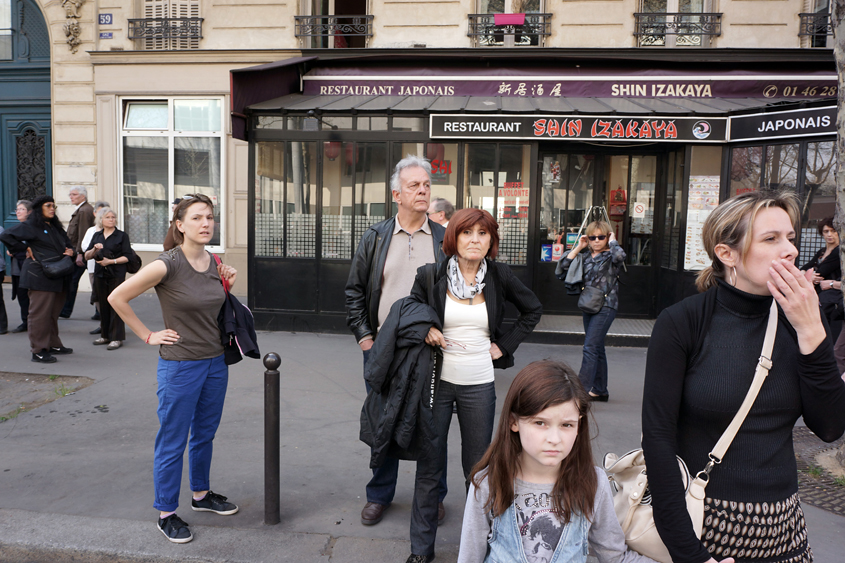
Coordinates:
<point>602,258</point>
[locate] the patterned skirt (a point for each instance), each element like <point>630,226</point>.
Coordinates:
<point>759,532</point>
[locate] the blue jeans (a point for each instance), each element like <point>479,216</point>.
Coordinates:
<point>593,373</point>
<point>476,413</point>
<point>190,398</point>
<point>382,486</point>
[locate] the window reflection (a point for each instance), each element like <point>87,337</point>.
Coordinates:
<point>146,208</point>
<point>301,202</point>
<point>269,199</point>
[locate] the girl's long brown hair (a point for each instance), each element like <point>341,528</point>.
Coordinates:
<point>538,386</point>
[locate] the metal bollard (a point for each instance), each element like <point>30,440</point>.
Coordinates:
<point>272,491</point>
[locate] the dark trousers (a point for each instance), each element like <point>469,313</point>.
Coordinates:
<point>43,321</point>
<point>593,374</point>
<point>4,320</point>
<point>22,295</point>
<point>111,325</point>
<point>67,309</point>
<point>476,413</point>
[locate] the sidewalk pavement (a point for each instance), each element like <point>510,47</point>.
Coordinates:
<point>76,473</point>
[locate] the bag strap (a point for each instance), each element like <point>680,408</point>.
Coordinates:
<point>223,281</point>
<point>764,364</point>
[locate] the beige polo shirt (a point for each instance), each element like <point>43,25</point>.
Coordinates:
<point>407,252</point>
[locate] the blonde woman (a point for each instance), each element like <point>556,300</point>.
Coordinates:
<point>701,361</point>
<point>603,256</point>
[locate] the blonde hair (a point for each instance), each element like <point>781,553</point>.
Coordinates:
<point>729,224</point>
<point>602,226</point>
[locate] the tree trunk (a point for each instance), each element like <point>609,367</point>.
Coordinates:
<point>837,20</point>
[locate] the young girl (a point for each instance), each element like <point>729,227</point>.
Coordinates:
<point>536,495</point>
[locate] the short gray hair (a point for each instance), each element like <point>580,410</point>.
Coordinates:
<point>100,204</point>
<point>443,204</point>
<point>410,161</point>
<point>98,219</point>
<point>25,202</point>
<point>81,190</point>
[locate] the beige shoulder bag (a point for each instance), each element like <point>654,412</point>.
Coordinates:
<point>629,479</point>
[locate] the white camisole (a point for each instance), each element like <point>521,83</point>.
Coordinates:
<point>466,357</point>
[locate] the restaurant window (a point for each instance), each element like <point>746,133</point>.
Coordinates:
<point>170,148</point>
<point>819,196</point>
<point>674,205</point>
<point>746,166</point>
<point>444,171</point>
<point>633,176</point>
<point>301,200</point>
<point>704,189</point>
<point>371,176</point>
<point>498,180</point>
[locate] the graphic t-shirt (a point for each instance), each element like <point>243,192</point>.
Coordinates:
<point>539,527</point>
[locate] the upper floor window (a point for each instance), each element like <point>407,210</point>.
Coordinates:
<point>23,33</point>
<point>327,24</point>
<point>509,23</point>
<point>170,148</point>
<point>676,23</point>
<point>816,29</point>
<point>168,25</point>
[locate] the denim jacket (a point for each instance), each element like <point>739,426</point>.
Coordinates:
<point>505,540</point>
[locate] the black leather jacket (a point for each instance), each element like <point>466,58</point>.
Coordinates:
<point>363,287</point>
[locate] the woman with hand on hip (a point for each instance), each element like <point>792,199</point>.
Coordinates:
<point>701,361</point>
<point>192,375</point>
<point>468,296</point>
<point>602,258</point>
<point>42,236</point>
<point>110,249</point>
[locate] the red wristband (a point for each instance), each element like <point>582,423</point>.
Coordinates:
<point>147,341</point>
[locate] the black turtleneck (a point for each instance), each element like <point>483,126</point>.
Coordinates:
<point>701,361</point>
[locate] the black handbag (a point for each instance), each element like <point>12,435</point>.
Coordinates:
<point>57,267</point>
<point>591,300</point>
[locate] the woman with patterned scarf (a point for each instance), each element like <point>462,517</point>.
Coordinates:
<point>468,292</point>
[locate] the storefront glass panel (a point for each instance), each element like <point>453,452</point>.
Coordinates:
<point>301,202</point>
<point>782,167</point>
<point>269,199</point>
<point>400,151</point>
<point>338,176</point>
<point>409,124</point>
<point>444,171</point>
<point>567,193</point>
<point>819,199</point>
<point>146,209</point>
<point>616,197</point>
<point>196,163</point>
<point>370,179</point>
<point>703,194</point>
<point>643,176</point>
<point>480,169</point>
<point>513,198</point>
<point>746,163</point>
<point>674,204</point>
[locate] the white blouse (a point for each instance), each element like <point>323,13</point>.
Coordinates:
<point>466,357</point>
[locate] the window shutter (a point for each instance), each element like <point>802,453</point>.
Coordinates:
<point>171,9</point>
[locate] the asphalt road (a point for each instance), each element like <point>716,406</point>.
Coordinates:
<point>76,474</point>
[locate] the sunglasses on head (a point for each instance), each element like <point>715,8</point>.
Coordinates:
<point>597,237</point>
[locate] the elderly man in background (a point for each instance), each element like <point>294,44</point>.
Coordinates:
<point>440,211</point>
<point>81,220</point>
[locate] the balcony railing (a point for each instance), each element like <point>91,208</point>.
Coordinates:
<point>167,33</point>
<point>346,31</point>
<point>485,32</point>
<point>689,30</point>
<point>817,27</point>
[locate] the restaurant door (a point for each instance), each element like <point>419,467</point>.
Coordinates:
<point>630,186</point>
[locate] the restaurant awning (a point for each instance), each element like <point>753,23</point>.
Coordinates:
<point>296,103</point>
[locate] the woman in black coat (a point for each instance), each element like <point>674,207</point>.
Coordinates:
<point>468,293</point>
<point>42,236</point>
<point>111,249</point>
